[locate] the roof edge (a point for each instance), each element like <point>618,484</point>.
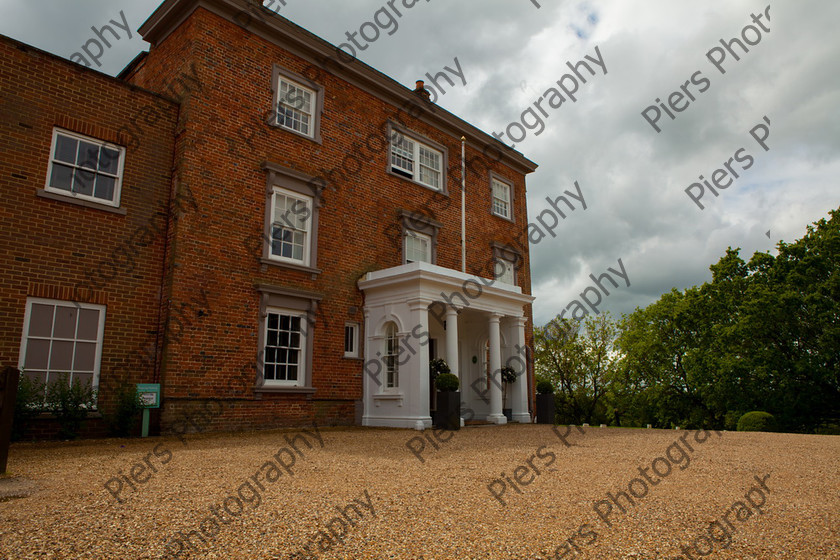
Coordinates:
<point>265,23</point>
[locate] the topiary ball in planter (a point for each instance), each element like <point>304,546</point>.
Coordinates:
<point>757,421</point>
<point>447,382</point>
<point>508,375</point>
<point>448,414</point>
<point>545,387</point>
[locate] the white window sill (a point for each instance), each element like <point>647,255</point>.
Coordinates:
<point>292,266</point>
<point>284,389</point>
<point>43,193</point>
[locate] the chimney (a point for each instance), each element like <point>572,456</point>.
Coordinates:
<point>421,90</point>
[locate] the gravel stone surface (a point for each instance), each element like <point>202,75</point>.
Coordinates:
<point>359,493</point>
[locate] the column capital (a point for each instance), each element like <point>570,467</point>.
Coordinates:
<point>494,317</point>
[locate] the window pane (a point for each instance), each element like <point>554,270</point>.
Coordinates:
<point>269,372</point>
<point>402,153</point>
<point>85,357</point>
<point>105,187</point>
<point>88,324</point>
<point>84,378</point>
<point>61,177</point>
<point>88,155</point>
<point>66,148</point>
<point>61,356</point>
<point>41,320</point>
<point>84,182</point>
<point>109,161</point>
<point>37,354</point>
<point>273,320</point>
<point>65,322</point>
<point>349,335</point>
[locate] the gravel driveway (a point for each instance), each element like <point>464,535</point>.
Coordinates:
<point>509,492</point>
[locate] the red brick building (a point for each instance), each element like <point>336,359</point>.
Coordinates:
<point>277,229</point>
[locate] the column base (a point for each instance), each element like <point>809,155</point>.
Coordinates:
<point>497,419</point>
<point>522,417</point>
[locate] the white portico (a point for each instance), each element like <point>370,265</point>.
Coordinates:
<point>419,311</point>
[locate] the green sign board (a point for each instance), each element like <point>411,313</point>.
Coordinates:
<point>149,394</point>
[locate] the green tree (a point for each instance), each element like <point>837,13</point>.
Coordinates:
<point>578,358</point>
<point>761,335</point>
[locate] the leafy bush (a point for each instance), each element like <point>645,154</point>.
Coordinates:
<point>438,366</point>
<point>447,382</point>
<point>70,404</point>
<point>28,404</point>
<point>129,406</point>
<point>757,421</point>
<point>508,375</point>
<point>828,429</point>
<point>730,419</point>
<point>545,387</point>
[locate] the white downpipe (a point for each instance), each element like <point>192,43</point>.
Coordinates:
<point>463,207</point>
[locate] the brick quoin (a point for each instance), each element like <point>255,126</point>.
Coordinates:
<point>212,140</point>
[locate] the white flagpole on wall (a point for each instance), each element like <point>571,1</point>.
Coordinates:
<point>463,207</point>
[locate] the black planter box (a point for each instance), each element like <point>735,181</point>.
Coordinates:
<point>545,409</point>
<point>508,412</point>
<point>448,413</point>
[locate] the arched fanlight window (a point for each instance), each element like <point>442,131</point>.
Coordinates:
<point>390,357</point>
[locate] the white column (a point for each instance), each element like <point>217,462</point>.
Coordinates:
<point>496,416</point>
<point>519,362</point>
<point>414,375</point>
<point>452,342</point>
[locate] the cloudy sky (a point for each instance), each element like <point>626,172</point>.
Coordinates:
<point>632,178</point>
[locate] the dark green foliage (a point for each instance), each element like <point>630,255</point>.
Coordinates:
<point>757,421</point>
<point>580,365</point>
<point>829,429</point>
<point>544,387</point>
<point>447,382</point>
<point>128,408</point>
<point>438,366</point>
<point>28,404</point>
<point>70,403</point>
<point>760,335</point>
<point>508,375</point>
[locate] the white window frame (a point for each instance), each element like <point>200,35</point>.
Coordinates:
<point>296,106</point>
<point>100,334</point>
<point>354,351</point>
<point>409,147</point>
<point>391,357</point>
<point>115,201</point>
<point>304,333</point>
<point>413,236</point>
<point>286,223</point>
<point>498,201</point>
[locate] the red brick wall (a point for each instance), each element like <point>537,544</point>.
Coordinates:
<point>209,251</point>
<point>46,246</point>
